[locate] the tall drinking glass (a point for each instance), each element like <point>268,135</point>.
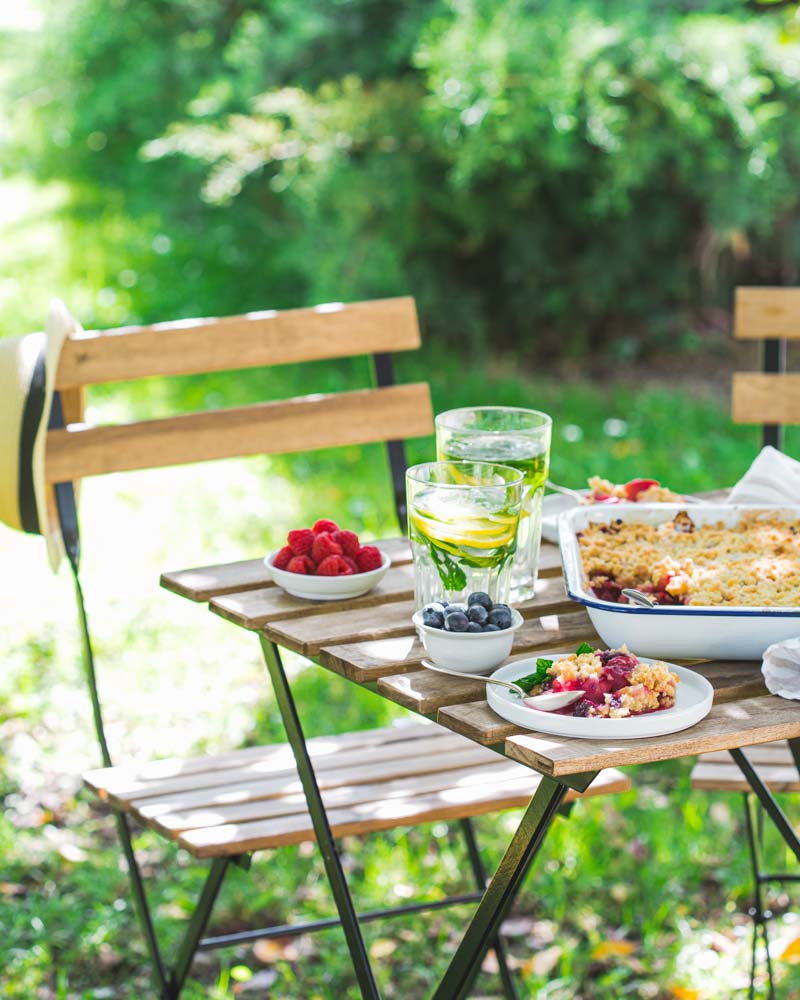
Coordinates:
<point>513,436</point>
<point>462,522</point>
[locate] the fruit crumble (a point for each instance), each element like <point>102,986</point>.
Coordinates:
<point>615,683</point>
<point>634,491</point>
<point>755,563</point>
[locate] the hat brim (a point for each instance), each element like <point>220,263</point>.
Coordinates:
<point>60,325</point>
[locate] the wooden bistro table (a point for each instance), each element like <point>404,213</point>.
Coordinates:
<point>382,652</point>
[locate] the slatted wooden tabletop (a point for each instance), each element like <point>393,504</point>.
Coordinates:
<point>371,640</point>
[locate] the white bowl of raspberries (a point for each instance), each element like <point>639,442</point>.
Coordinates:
<point>325,563</point>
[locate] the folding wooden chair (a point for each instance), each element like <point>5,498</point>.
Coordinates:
<point>771,398</point>
<point>417,758</point>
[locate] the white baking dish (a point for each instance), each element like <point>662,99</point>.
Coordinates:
<point>674,632</point>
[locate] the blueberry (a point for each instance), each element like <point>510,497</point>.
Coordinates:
<point>501,607</point>
<point>444,604</point>
<point>456,621</point>
<point>480,598</point>
<point>490,628</point>
<point>474,627</point>
<point>501,617</point>
<point>477,613</point>
<point>433,616</point>
<point>457,607</point>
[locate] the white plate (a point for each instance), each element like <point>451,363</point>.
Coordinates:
<point>326,588</point>
<point>693,700</point>
<point>676,631</point>
<point>555,504</point>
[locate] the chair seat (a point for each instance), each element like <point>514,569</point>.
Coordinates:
<point>252,799</point>
<point>773,763</point>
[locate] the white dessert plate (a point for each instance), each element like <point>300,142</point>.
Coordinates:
<point>326,588</point>
<point>555,504</point>
<point>693,699</point>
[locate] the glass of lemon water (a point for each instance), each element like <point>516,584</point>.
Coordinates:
<point>463,519</point>
<point>512,436</point>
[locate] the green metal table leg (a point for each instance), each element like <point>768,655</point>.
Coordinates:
<point>502,889</point>
<point>319,819</point>
<point>479,873</point>
<point>767,800</point>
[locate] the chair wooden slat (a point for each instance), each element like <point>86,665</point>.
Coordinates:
<point>759,398</point>
<point>355,784</point>
<point>718,772</point>
<point>267,338</point>
<point>346,756</point>
<point>467,799</point>
<point>375,780</point>
<point>767,314</point>
<point>302,424</point>
<point>138,776</point>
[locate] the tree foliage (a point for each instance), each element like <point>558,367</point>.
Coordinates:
<point>560,176</point>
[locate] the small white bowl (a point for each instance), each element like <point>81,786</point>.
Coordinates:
<point>471,652</point>
<point>326,588</point>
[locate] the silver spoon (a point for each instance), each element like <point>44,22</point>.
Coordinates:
<point>637,597</point>
<point>545,702</point>
<point>565,490</point>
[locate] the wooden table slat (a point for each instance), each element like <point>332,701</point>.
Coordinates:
<point>478,722</point>
<point>204,582</point>
<point>425,691</point>
<point>253,609</point>
<point>309,634</point>
<point>732,680</point>
<point>372,659</point>
<point>732,724</point>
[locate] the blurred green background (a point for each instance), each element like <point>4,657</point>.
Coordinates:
<point>570,192</point>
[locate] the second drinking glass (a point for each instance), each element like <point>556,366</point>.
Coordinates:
<point>513,436</point>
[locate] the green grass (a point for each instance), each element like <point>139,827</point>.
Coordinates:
<point>661,868</point>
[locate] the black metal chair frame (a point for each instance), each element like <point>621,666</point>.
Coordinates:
<point>169,979</point>
<point>773,362</point>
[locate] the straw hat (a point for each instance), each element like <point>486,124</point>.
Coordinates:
<point>27,374</point>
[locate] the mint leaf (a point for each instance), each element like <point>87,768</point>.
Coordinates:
<point>584,648</point>
<point>531,681</point>
<point>450,573</point>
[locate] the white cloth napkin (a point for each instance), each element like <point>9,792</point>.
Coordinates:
<point>781,668</point>
<point>773,478</point>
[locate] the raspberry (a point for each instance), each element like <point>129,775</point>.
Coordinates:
<point>301,564</point>
<point>334,566</point>
<point>368,558</point>
<point>637,486</point>
<point>352,564</point>
<point>300,541</point>
<point>324,525</point>
<point>282,559</point>
<point>348,541</point>
<point>323,547</point>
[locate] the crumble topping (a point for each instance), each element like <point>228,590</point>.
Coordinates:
<point>755,563</point>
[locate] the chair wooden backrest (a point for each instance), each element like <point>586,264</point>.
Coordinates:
<point>386,413</point>
<point>770,397</point>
